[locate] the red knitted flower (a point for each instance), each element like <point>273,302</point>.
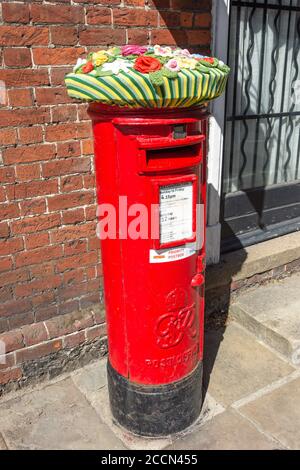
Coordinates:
<point>145,64</point>
<point>88,67</point>
<point>210,60</point>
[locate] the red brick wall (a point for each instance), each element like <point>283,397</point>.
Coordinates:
<point>49,256</point>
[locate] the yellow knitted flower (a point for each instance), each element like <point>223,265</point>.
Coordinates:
<point>186,63</point>
<point>99,58</point>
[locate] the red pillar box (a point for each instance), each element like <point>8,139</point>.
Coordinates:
<point>151,186</point>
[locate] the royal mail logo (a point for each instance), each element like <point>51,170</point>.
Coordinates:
<point>172,327</point>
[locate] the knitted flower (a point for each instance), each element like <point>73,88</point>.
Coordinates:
<point>99,58</point>
<point>187,63</point>
<point>117,66</point>
<point>210,60</point>
<point>145,64</point>
<point>79,63</point>
<point>162,51</point>
<point>182,53</point>
<point>133,50</point>
<point>173,65</point>
<point>88,67</point>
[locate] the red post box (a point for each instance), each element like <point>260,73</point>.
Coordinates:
<point>151,168</point>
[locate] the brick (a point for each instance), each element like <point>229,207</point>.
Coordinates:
<point>17,57</point>
<point>132,17</point>
<point>23,36</point>
<point>9,358</point>
<point>35,224</point>
<point>193,5</point>
<point>57,75</point>
<point>169,37</point>
<point>203,20</point>
<point>32,189</point>
<point>97,15</point>
<point>74,339</point>
<point>45,298</point>
<point>95,332</point>
<point>14,307</point>
<point>36,240</point>
<point>41,270</point>
<point>73,277</point>
<point>34,352</point>
<point>90,213</point>
<point>9,211</point>
<point>18,117</point>
<point>82,112</point>
<point>24,77</point>
<point>75,247</point>
<point>29,154</point>
<point>66,201</point>
<point>199,37</point>
<point>186,19</point>
<point>20,319</point>
<point>13,340</point>
<point>7,137</point>
<point>65,234</point>
<point>28,172</point>
<point>169,19</point>
<point>73,216</point>
<point>138,36</point>
<point>5,295</point>
<point>26,258</point>
<point>68,149</point>
<point>69,323</point>
<point>52,95</point>
<point>15,13</point>
<point>103,2</point>
<point>57,14</point>
<point>6,263</point>
<point>94,243</point>
<point>2,194</point>
<point>30,135</point>
<point>91,273</point>
<point>63,36</point>
<point>44,313</point>
<point>4,230</point>
<point>12,245</point>
<point>68,166</point>
<point>22,97</point>
<point>71,183</point>
<point>68,307</point>
<point>61,132</point>
<point>33,207</point>
<point>102,36</point>
<point>89,300</point>
<point>10,375</point>
<point>135,3</point>
<point>18,275</point>
<point>34,334</point>
<point>57,56</point>
<point>64,113</point>
<point>87,147</point>
<point>72,262</point>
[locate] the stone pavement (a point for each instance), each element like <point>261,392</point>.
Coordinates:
<point>252,402</point>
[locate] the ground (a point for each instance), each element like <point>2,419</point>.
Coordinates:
<point>252,402</point>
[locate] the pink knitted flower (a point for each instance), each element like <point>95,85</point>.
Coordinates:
<point>173,65</point>
<point>133,50</point>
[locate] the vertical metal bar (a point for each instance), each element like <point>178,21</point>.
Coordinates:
<point>272,88</point>
<point>260,87</point>
<point>291,119</point>
<point>236,72</point>
<point>282,96</point>
<point>247,94</point>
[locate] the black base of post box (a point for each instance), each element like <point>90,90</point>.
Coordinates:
<point>158,410</point>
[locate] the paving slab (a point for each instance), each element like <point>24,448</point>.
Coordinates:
<point>2,443</point>
<point>278,413</point>
<point>227,431</point>
<point>272,313</point>
<point>55,417</point>
<point>237,365</point>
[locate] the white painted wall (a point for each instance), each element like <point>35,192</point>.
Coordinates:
<point>220,28</point>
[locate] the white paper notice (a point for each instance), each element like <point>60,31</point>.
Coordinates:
<point>176,212</point>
